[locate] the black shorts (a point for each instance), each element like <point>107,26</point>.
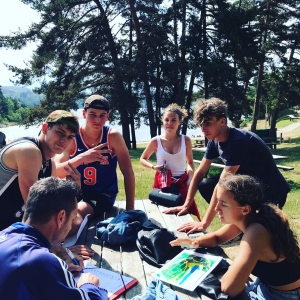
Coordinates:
<point>101,202</point>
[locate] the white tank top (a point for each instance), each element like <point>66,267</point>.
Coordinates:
<point>174,162</point>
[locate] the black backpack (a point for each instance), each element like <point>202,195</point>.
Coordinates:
<point>154,246</point>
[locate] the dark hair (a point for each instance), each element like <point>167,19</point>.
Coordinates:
<point>71,128</point>
<point>47,197</point>
<point>247,190</point>
<point>207,109</point>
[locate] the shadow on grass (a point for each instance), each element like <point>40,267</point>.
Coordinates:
<point>289,149</point>
<point>294,185</point>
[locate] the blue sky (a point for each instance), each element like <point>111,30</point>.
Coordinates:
<point>14,15</point>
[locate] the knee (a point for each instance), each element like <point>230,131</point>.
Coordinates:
<point>75,225</point>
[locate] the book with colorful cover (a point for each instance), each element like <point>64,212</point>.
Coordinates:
<point>187,269</point>
<point>113,282</point>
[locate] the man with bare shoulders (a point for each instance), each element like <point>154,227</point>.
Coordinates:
<point>25,160</point>
<point>95,152</point>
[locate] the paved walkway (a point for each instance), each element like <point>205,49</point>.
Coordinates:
<point>289,127</point>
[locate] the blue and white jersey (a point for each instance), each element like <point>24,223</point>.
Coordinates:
<point>97,178</point>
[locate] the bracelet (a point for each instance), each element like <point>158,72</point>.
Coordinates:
<point>152,167</point>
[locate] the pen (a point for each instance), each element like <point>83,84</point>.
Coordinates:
<point>74,260</point>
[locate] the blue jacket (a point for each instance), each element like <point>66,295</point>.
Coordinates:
<point>31,271</point>
<point>123,228</point>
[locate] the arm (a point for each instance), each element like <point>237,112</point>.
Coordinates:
<point>189,159</point>
<point>255,241</point>
<point>92,155</point>
<point>118,146</point>
<point>150,149</point>
<point>27,159</point>
<point>59,282</point>
<point>211,239</point>
<point>210,213</point>
<point>198,176</point>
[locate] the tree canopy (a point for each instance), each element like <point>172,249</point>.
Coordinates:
<point>144,55</point>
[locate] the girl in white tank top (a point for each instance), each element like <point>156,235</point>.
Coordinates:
<point>171,147</point>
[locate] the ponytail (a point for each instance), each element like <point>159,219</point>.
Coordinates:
<point>284,242</point>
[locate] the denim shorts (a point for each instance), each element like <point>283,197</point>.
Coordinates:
<point>259,291</point>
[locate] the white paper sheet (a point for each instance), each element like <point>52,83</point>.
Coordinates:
<point>71,240</point>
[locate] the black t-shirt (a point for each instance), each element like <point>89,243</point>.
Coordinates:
<point>246,149</point>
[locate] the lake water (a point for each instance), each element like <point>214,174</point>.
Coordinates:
<point>142,133</point>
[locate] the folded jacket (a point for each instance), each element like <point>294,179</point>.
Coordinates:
<point>123,228</point>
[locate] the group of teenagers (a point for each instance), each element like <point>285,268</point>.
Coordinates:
<point>48,184</point>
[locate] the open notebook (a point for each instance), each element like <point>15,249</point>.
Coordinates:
<point>113,282</point>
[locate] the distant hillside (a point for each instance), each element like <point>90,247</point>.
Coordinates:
<point>24,94</point>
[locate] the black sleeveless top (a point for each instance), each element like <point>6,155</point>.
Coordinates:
<point>277,273</point>
<point>11,200</point>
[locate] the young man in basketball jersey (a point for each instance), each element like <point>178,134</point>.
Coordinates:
<point>25,160</point>
<point>95,152</point>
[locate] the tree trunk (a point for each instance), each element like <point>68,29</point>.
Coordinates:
<point>183,54</point>
<point>143,69</point>
<point>260,72</point>
<point>120,93</point>
<point>276,110</point>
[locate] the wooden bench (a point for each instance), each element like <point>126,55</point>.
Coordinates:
<point>199,143</point>
<point>125,259</point>
<point>271,142</point>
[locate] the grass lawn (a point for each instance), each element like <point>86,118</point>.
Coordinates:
<point>290,147</point>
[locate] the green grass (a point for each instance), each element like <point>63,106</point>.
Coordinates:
<point>291,148</point>
<point>261,124</point>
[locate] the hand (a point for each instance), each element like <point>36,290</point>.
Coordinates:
<point>95,154</point>
<point>180,209</point>
<point>88,278</point>
<point>82,250</point>
<point>185,242</point>
<point>72,267</point>
<point>158,168</point>
<point>73,174</point>
<point>193,227</point>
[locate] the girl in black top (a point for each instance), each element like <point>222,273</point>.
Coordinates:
<point>268,249</point>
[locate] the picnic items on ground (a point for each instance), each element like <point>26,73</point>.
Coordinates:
<point>124,228</point>
<point>188,269</point>
<point>113,282</point>
<point>154,246</point>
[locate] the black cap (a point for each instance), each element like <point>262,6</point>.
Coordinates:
<point>96,101</point>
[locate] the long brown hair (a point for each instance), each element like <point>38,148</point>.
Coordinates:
<point>247,190</point>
